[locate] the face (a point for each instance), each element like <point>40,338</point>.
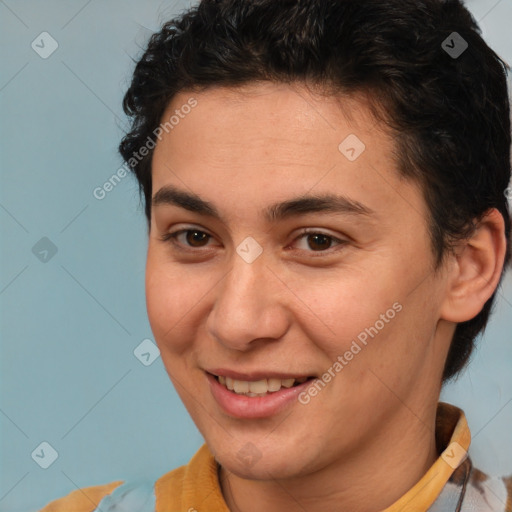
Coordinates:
<point>280,250</point>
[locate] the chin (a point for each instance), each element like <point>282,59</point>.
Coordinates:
<point>266,468</point>
<point>272,461</point>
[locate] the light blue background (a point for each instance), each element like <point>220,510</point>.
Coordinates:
<point>69,326</point>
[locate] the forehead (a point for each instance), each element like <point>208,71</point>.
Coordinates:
<point>283,139</point>
<point>260,110</point>
<point>266,123</point>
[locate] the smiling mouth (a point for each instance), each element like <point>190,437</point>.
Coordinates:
<point>261,387</point>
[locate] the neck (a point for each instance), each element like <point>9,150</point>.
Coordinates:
<point>383,470</point>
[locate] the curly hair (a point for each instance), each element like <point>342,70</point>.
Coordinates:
<point>449,114</point>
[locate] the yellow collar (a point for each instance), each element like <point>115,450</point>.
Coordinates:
<point>453,439</point>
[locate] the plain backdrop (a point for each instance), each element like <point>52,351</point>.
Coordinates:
<point>72,266</point>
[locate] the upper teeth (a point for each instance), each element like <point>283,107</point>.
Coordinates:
<point>258,387</point>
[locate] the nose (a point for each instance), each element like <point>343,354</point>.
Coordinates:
<point>250,306</point>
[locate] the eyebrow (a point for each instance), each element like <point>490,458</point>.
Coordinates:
<point>302,205</point>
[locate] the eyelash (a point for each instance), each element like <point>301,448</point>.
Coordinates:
<point>172,238</point>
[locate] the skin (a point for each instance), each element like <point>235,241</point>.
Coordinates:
<point>368,436</point>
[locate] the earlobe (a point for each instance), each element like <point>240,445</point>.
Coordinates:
<point>477,269</point>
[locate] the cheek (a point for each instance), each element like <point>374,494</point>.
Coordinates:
<point>344,306</point>
<point>178,298</point>
<point>168,298</point>
<point>375,319</point>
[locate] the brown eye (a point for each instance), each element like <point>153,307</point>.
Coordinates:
<point>316,241</point>
<point>196,238</point>
<point>187,238</point>
<point>319,241</point>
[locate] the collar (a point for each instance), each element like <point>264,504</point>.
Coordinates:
<point>452,439</point>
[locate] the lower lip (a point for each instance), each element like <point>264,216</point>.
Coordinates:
<point>246,407</point>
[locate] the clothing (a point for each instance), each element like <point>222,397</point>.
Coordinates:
<point>451,484</point>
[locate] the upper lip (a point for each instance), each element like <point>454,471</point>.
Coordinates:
<point>256,375</point>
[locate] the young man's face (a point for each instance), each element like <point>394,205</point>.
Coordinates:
<point>354,302</point>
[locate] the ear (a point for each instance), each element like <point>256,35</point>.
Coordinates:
<point>476,269</point>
